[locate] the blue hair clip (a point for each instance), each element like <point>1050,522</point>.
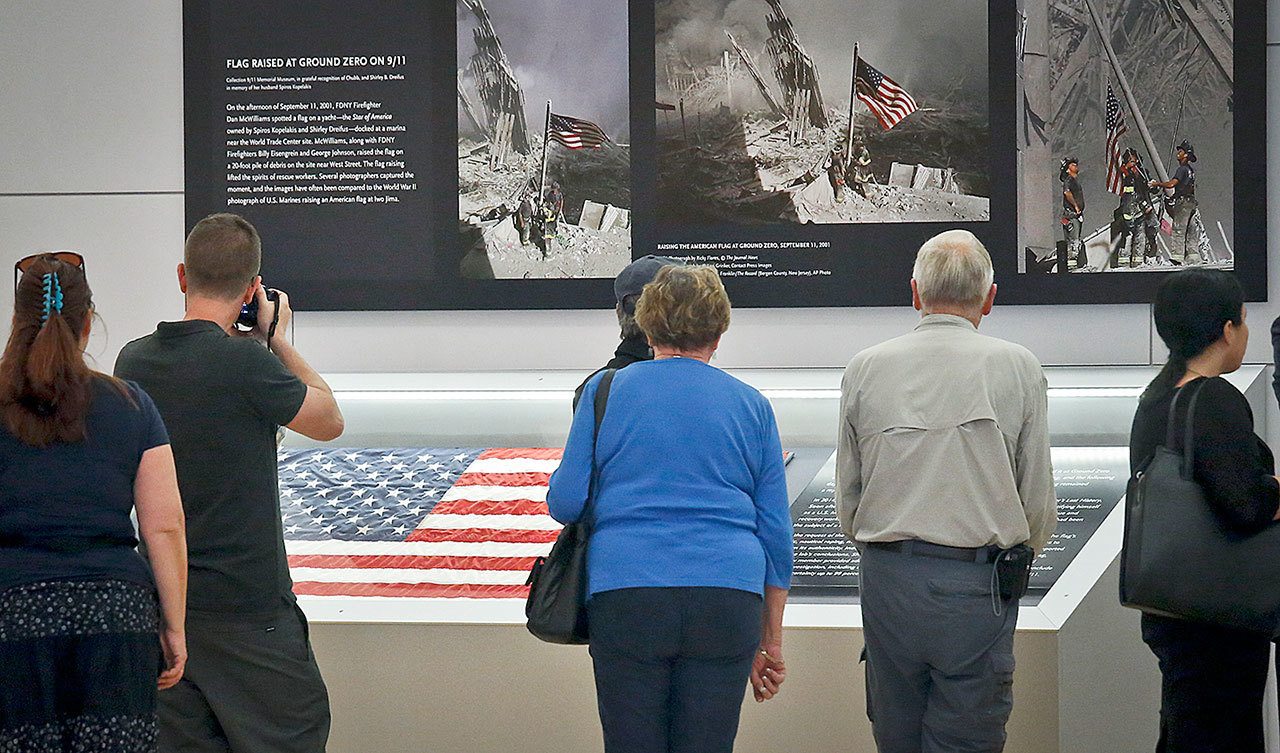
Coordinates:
<point>52,287</point>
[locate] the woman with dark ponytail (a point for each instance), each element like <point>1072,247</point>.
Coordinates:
<point>1213,677</point>
<point>84,621</point>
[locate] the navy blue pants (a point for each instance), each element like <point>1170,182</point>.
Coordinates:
<point>671,666</point>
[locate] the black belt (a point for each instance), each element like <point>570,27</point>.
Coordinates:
<point>981,554</point>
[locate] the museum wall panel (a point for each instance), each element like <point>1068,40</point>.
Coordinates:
<point>109,119</point>
<point>92,96</point>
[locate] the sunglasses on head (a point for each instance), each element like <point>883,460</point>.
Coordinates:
<point>25,263</point>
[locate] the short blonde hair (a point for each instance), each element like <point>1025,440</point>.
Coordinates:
<point>684,307</point>
<point>953,269</point>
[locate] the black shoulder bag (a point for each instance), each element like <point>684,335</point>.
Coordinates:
<point>1180,559</point>
<point>557,608</point>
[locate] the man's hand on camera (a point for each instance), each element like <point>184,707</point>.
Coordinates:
<point>279,310</point>
<point>266,312</point>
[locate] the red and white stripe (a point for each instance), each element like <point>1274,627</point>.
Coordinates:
<point>1116,127</point>
<point>891,105</point>
<point>889,102</point>
<point>478,542</point>
<point>575,133</point>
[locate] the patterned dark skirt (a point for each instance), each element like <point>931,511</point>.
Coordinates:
<point>78,667</point>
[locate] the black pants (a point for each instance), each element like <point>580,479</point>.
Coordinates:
<point>671,666</point>
<point>251,686</point>
<point>1212,683</point>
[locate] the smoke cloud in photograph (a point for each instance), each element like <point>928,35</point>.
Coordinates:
<point>930,48</point>
<point>574,54</point>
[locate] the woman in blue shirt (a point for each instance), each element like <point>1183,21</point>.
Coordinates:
<point>690,552</point>
<point>81,633</point>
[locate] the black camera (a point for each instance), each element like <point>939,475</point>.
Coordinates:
<point>248,319</point>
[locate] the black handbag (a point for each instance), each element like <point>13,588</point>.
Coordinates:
<point>1181,560</point>
<point>556,608</point>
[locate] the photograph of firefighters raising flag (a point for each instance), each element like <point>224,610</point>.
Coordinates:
<point>822,111</point>
<point>544,190</point>
<point>1125,135</point>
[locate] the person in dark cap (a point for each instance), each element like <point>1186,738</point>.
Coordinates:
<point>1185,246</point>
<point>1072,212</point>
<point>627,287</point>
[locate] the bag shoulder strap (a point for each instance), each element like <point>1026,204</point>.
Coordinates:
<point>602,397</point>
<point>1188,433</point>
<point>601,402</point>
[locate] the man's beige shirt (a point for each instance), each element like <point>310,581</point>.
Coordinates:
<point>944,437</point>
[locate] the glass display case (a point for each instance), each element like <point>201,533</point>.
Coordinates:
<point>432,504</point>
<point>409,539</point>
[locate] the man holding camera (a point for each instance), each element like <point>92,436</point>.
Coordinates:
<point>251,683</point>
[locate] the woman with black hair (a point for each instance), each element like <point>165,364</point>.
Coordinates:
<point>1213,677</point>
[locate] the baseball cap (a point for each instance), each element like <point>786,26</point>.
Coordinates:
<point>631,280</point>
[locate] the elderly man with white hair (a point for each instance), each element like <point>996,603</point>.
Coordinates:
<point>945,484</point>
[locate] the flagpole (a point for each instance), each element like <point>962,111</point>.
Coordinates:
<point>546,137</point>
<point>1128,93</point>
<point>853,98</point>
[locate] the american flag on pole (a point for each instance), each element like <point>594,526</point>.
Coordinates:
<point>1116,128</point>
<point>889,102</point>
<point>575,133</point>
<point>408,522</point>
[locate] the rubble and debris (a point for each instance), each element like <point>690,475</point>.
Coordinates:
<point>615,218</point>
<point>901,175</point>
<point>941,178</point>
<point>575,252</point>
<point>604,217</point>
<point>756,78</point>
<point>499,89</point>
<point>797,75</point>
<point>741,167</point>
<point>751,151</point>
<point>517,220</point>
<point>591,215</point>
<point>1176,57</point>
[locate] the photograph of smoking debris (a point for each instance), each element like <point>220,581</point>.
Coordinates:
<point>544,158</point>
<point>1125,135</point>
<point>762,116</point>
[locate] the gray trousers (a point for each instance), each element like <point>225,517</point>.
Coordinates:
<point>939,660</point>
<point>1185,243</point>
<point>1072,231</point>
<point>251,686</point>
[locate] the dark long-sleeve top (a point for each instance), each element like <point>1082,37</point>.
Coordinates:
<point>630,350</point>
<point>1232,464</point>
